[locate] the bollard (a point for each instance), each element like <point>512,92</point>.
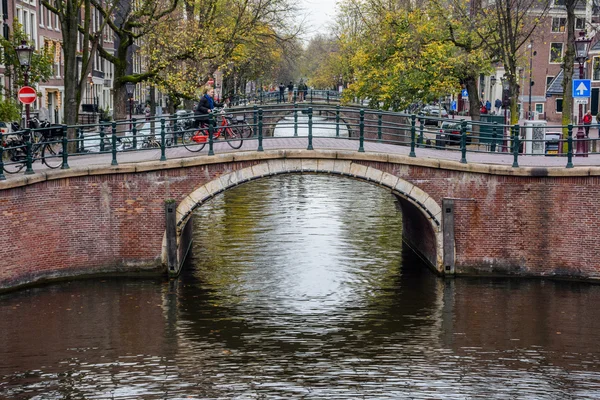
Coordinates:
<point>29,146</point>
<point>463,141</point>
<point>379,126</point>
<point>295,119</point>
<point>310,137</point>
<point>65,148</point>
<point>413,119</point>
<point>102,134</point>
<point>569,146</point>
<point>211,132</point>
<point>337,121</point>
<point>516,145</point>
<point>260,129</point>
<point>163,149</point>
<point>114,144</point>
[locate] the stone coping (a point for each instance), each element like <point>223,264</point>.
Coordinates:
<point>145,166</point>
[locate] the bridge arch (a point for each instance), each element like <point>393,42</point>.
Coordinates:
<point>421,213</point>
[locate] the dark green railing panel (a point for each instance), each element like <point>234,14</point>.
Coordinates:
<point>65,148</point>
<point>413,119</point>
<point>569,146</point>
<point>114,144</point>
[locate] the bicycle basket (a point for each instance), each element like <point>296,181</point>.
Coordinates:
<point>240,118</point>
<point>52,131</point>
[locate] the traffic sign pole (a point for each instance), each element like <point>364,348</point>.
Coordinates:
<point>26,95</point>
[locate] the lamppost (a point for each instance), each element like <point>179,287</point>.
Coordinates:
<point>531,54</point>
<point>24,53</point>
<point>582,45</point>
<point>505,104</point>
<point>130,87</point>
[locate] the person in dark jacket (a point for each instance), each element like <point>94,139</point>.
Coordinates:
<point>205,106</point>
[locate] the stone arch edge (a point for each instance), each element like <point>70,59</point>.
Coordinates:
<point>272,167</point>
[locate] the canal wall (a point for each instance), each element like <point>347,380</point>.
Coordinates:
<point>97,220</point>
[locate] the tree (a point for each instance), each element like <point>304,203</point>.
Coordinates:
<point>40,69</point>
<point>507,25</point>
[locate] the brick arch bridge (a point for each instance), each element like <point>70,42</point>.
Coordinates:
<point>462,218</point>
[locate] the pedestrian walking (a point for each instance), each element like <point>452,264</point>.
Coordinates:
<point>498,104</point>
<point>290,89</point>
<point>587,122</point>
<point>281,93</point>
<point>301,87</point>
<point>488,106</point>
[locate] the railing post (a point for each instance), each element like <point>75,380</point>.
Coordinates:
<point>413,119</point>
<point>421,133</point>
<point>328,96</point>
<point>295,119</point>
<point>163,156</point>
<point>65,148</point>
<point>379,126</point>
<point>29,160</point>
<point>311,95</point>
<point>516,145</point>
<point>134,132</point>
<point>255,114</point>
<point>361,130</point>
<point>569,146</point>
<point>494,133</point>
<point>2,177</point>
<point>337,121</point>
<point>175,132</point>
<point>463,141</point>
<point>310,137</point>
<point>211,133</point>
<point>260,130</point>
<point>114,144</point>
<point>102,134</point>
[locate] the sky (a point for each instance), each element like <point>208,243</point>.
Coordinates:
<point>319,13</point>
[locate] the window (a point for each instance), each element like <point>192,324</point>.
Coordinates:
<point>41,13</point>
<point>559,24</point>
<point>559,104</point>
<point>596,69</point>
<point>580,23</point>
<point>556,52</point>
<point>548,82</point>
<point>539,108</point>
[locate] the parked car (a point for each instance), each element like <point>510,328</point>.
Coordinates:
<point>434,112</point>
<point>450,133</point>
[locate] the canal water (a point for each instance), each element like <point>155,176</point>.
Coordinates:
<point>300,287</point>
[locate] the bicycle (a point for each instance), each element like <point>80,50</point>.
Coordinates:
<point>45,146</point>
<point>234,132</point>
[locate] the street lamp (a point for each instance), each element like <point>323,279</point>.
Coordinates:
<point>582,45</point>
<point>531,54</point>
<point>505,105</point>
<point>24,53</point>
<point>130,88</point>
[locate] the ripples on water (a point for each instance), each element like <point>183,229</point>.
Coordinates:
<point>299,287</point>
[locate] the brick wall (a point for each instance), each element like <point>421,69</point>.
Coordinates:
<point>115,222</point>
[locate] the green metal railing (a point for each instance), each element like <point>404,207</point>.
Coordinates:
<point>373,130</point>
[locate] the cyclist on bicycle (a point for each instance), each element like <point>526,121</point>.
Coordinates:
<point>205,106</point>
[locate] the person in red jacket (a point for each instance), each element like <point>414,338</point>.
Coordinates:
<point>587,122</point>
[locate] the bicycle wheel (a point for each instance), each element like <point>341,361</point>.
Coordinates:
<point>246,130</point>
<point>192,141</point>
<point>233,134</point>
<point>15,162</point>
<point>52,154</point>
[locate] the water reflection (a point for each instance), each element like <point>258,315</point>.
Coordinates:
<point>299,287</point>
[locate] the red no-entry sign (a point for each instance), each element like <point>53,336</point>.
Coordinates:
<point>27,95</point>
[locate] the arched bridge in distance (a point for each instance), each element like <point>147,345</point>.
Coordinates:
<point>466,211</point>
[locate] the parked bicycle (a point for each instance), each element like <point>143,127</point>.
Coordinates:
<point>46,145</point>
<point>233,129</point>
